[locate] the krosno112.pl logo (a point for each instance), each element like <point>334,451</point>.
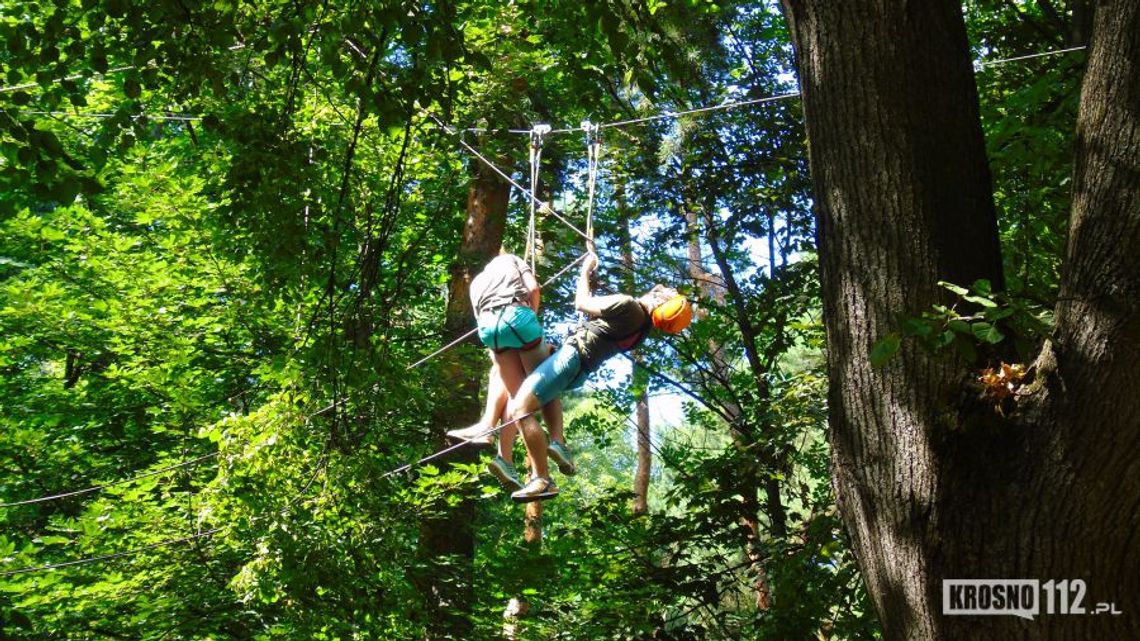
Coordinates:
<point>1025,598</point>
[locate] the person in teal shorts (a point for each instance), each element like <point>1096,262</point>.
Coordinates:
<point>505,298</point>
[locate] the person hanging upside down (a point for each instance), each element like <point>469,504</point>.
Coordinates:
<point>505,298</point>
<point>615,324</point>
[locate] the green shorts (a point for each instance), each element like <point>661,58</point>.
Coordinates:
<point>510,327</point>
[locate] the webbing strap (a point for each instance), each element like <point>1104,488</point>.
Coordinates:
<point>593,152</point>
<point>536,135</point>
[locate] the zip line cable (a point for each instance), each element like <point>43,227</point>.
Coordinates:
<point>665,115</point>
<point>593,153</point>
<point>321,464</point>
<point>431,457</point>
<point>211,532</point>
<point>535,164</point>
<point>108,557</point>
<point>103,486</point>
<point>981,64</point>
<point>978,65</point>
<point>543,207</point>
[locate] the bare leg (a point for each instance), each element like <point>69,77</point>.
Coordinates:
<point>525,402</point>
<point>497,397</point>
<point>510,367</point>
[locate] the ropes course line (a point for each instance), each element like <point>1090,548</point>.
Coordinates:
<point>535,165</point>
<point>101,75</point>
<point>431,457</point>
<point>78,76</point>
<point>543,207</point>
<point>981,64</point>
<point>103,486</point>
<point>321,465</point>
<point>104,115</point>
<point>978,65</point>
<point>108,557</point>
<point>784,96</point>
<point>593,154</point>
<point>688,112</point>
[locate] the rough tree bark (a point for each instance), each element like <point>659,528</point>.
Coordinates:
<point>933,483</point>
<point>447,542</point>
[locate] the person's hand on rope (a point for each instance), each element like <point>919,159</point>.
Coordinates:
<point>590,263</point>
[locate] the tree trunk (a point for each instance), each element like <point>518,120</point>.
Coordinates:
<point>447,543</point>
<point>932,483</point>
<point>713,288</point>
<point>641,394</point>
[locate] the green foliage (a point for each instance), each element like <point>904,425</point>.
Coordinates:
<point>994,318</point>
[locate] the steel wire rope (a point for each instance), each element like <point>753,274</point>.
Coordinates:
<point>543,207</point>
<point>978,65</point>
<point>320,466</point>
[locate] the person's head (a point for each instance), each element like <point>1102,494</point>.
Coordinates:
<point>671,311</point>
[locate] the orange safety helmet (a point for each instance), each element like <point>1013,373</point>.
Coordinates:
<point>673,315</point>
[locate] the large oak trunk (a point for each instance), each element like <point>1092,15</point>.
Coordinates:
<point>932,483</point>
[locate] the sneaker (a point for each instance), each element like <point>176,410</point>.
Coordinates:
<point>476,435</point>
<point>502,469</point>
<point>539,488</point>
<point>561,456</point>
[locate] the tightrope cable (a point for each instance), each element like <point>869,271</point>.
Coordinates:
<point>543,207</point>
<point>593,153</point>
<point>321,464</point>
<point>103,486</point>
<point>989,63</point>
<point>108,557</point>
<point>431,457</point>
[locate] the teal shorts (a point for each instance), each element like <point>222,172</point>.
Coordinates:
<point>510,327</point>
<point>562,371</point>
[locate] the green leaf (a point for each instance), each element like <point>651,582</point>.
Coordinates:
<point>917,327</point>
<point>980,300</point>
<point>986,332</point>
<point>957,289</point>
<point>960,326</point>
<point>966,348</point>
<point>885,349</point>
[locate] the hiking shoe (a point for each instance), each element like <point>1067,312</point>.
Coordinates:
<point>561,456</point>
<point>502,469</point>
<point>476,435</point>
<point>538,488</point>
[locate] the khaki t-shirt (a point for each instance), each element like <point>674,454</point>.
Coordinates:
<point>500,283</point>
<point>597,339</point>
